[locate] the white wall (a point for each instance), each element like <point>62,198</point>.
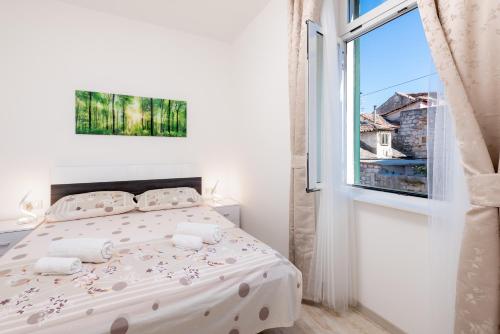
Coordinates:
<point>260,76</point>
<point>237,95</point>
<point>392,265</point>
<point>49,49</point>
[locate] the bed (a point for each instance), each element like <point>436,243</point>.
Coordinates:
<point>237,286</point>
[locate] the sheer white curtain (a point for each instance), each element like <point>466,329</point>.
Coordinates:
<point>448,204</point>
<point>330,268</point>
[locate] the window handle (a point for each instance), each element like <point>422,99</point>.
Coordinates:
<point>4,244</point>
<point>402,10</point>
<point>358,27</point>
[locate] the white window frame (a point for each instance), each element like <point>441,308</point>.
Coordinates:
<point>384,135</point>
<point>385,12</point>
<point>348,31</point>
<point>313,108</point>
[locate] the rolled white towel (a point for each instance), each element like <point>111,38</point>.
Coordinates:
<point>187,242</point>
<point>86,249</point>
<point>58,265</point>
<point>209,233</point>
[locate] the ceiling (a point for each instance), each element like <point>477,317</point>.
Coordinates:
<point>223,20</point>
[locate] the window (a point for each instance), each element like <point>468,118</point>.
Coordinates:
<point>384,139</point>
<point>387,73</point>
<point>314,104</point>
<point>360,7</point>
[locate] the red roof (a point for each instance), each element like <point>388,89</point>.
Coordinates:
<point>367,124</point>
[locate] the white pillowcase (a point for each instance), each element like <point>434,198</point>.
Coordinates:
<point>94,204</point>
<point>169,198</point>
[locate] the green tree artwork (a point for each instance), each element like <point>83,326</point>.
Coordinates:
<point>115,114</point>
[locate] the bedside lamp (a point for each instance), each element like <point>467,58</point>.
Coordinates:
<point>27,207</point>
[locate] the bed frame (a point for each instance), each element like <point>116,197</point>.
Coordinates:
<point>135,187</point>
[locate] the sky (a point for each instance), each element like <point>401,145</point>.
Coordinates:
<point>392,54</point>
<point>366,5</point>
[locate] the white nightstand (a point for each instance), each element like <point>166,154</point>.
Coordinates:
<point>227,207</point>
<point>11,232</point>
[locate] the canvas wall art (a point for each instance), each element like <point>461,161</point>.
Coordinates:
<point>116,114</point>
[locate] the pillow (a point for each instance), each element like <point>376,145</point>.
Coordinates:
<point>94,204</point>
<point>169,198</point>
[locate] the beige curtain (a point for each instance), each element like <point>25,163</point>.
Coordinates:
<point>302,207</point>
<point>464,38</point>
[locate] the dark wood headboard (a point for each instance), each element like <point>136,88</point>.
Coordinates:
<point>135,187</point>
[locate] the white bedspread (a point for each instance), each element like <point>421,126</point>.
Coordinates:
<point>238,286</point>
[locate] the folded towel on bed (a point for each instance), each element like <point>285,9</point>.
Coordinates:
<point>86,249</point>
<point>58,265</point>
<point>183,241</point>
<point>209,233</point>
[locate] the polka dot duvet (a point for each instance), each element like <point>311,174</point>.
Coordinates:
<point>238,286</point>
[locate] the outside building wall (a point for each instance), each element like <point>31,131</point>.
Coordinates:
<point>411,138</point>
<point>371,142</point>
<point>405,175</point>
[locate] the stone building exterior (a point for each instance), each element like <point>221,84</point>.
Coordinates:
<point>409,112</point>
<point>399,102</point>
<point>402,164</point>
<point>411,137</point>
<point>401,175</point>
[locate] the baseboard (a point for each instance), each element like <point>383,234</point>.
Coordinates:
<point>313,303</point>
<point>310,302</point>
<point>373,316</point>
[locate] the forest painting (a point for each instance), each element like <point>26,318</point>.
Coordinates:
<point>114,114</point>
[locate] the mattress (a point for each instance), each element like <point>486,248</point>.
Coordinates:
<point>237,286</point>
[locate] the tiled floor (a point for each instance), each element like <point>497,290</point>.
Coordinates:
<point>316,320</point>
